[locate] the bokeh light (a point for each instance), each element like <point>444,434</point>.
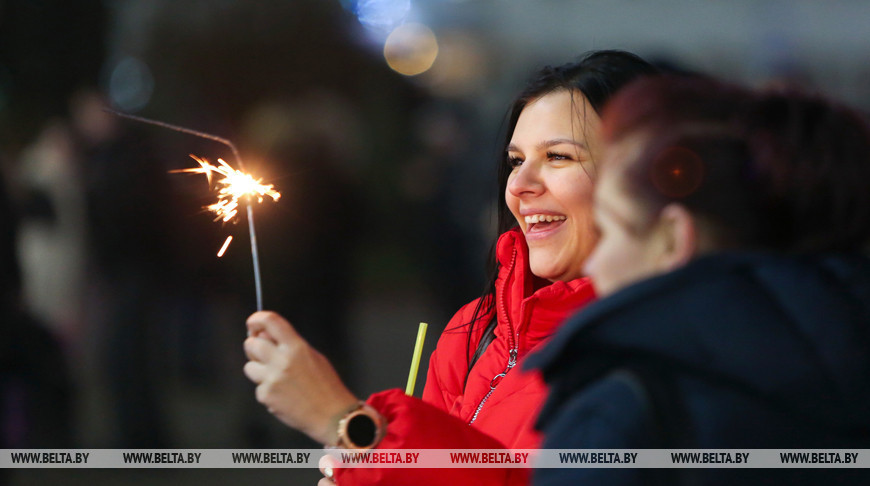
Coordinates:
<point>411,49</point>
<point>382,14</point>
<point>130,84</point>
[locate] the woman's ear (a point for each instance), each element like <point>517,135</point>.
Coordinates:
<point>679,237</point>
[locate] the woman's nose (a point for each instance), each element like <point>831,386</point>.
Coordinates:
<point>526,180</point>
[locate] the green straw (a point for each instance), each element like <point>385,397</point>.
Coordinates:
<point>415,360</point>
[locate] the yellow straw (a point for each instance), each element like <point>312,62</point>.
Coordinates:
<point>415,360</point>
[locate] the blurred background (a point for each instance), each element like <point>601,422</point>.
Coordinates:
<point>378,120</point>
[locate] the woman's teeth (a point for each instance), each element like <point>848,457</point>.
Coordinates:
<point>544,218</point>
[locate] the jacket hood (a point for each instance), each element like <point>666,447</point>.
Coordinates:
<point>531,306</point>
<point>792,331</point>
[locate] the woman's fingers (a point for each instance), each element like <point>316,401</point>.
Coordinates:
<point>256,372</point>
<point>272,325</point>
<point>327,464</point>
<point>259,349</point>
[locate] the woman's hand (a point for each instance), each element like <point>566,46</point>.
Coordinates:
<point>294,381</point>
<point>327,468</point>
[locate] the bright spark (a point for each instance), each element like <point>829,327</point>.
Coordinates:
<point>224,248</point>
<point>234,185</point>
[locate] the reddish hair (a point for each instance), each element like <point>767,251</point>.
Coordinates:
<point>786,171</point>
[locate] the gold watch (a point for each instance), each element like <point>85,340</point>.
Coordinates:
<point>362,428</point>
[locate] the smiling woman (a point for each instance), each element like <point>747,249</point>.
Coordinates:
<point>476,395</point>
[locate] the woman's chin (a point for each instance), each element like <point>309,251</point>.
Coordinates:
<point>547,272</point>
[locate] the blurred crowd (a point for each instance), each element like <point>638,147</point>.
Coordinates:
<point>111,284</point>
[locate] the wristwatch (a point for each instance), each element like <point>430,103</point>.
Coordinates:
<point>361,428</point>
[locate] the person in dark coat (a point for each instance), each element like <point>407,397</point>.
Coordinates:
<point>736,309</point>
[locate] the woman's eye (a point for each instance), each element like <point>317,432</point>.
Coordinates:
<point>514,161</point>
<point>556,156</point>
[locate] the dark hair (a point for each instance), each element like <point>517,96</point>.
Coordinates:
<point>597,76</point>
<point>782,171</point>
<point>817,153</point>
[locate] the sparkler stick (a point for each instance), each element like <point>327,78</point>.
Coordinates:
<point>182,130</point>
<point>258,288</point>
<point>415,359</point>
<point>236,184</point>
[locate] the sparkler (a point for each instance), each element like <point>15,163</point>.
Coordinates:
<point>235,185</point>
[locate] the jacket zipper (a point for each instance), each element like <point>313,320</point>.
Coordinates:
<point>512,361</point>
<point>512,354</point>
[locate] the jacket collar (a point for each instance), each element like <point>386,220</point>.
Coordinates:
<point>527,306</point>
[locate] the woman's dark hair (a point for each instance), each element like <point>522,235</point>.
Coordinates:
<point>781,171</point>
<point>597,76</point>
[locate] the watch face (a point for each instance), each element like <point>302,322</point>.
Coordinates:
<point>361,430</point>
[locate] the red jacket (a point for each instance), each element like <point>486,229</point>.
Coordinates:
<point>526,318</point>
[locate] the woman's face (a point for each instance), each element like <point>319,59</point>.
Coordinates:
<point>629,247</point>
<point>549,191</point>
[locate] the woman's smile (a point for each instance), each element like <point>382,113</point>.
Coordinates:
<point>541,225</point>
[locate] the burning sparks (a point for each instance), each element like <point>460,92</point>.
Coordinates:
<point>234,185</point>
<point>224,248</point>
